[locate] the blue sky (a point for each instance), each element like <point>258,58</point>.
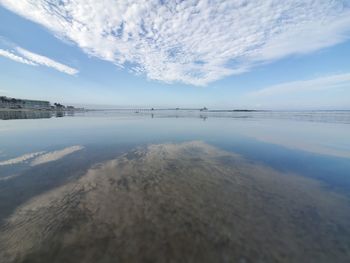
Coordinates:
<point>219,54</point>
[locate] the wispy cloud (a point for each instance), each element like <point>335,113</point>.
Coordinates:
<point>10,55</point>
<point>26,57</point>
<point>45,61</point>
<point>318,84</point>
<point>195,42</point>
<point>323,92</point>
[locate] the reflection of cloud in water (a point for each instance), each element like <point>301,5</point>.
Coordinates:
<point>180,202</point>
<point>319,138</point>
<point>42,157</point>
<point>20,159</point>
<point>55,155</point>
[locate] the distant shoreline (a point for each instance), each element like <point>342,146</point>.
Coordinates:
<point>44,110</point>
<point>139,110</point>
<point>175,109</point>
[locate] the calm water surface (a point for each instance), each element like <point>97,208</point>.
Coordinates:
<point>174,186</point>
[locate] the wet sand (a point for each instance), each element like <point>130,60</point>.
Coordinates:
<point>186,202</point>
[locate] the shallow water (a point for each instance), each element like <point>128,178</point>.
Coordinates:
<point>175,186</point>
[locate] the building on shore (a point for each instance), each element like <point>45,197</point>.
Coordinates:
<point>11,103</point>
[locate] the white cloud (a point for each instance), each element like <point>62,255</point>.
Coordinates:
<point>45,61</point>
<point>10,55</point>
<point>26,57</point>
<point>195,42</point>
<point>318,84</point>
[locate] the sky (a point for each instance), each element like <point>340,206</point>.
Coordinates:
<point>230,54</point>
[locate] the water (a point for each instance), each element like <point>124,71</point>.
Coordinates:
<point>165,186</point>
